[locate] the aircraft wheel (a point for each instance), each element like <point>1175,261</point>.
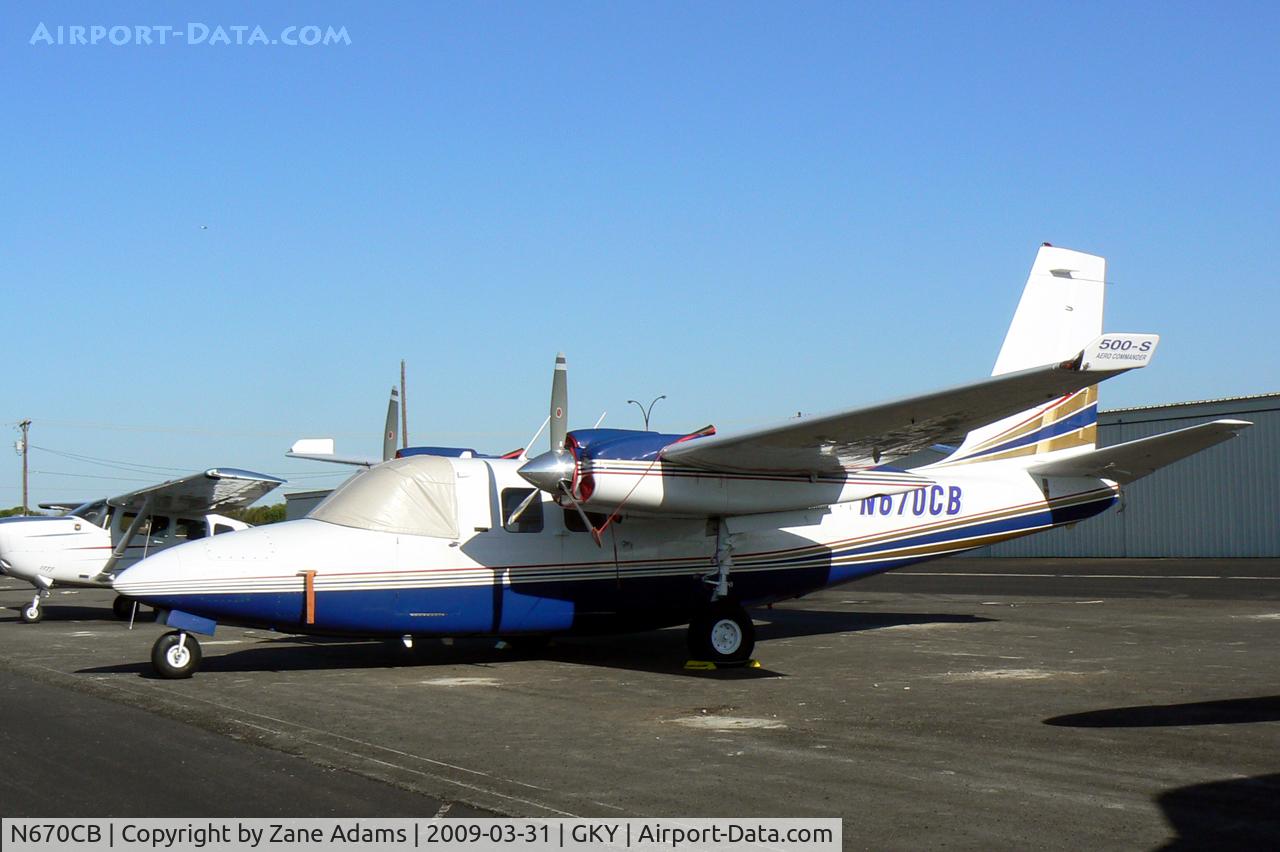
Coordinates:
<point>724,634</point>
<point>32,612</point>
<point>173,657</point>
<point>122,607</point>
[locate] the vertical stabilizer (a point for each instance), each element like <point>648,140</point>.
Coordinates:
<point>1059,314</point>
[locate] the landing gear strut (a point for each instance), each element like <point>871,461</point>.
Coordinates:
<point>723,632</point>
<point>33,612</point>
<point>123,607</point>
<point>176,655</point>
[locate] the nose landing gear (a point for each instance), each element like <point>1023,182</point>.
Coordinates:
<point>33,612</point>
<point>176,655</point>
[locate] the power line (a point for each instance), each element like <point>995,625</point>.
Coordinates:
<point>89,476</point>
<point>183,430</point>
<point>133,467</point>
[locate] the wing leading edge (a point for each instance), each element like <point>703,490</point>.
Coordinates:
<point>863,437</point>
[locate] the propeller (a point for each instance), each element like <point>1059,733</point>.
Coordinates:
<point>553,470</point>
<point>390,433</point>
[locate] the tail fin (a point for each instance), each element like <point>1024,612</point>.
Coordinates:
<point>1059,314</point>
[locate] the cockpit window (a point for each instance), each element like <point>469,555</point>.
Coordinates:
<point>95,513</point>
<point>414,495</point>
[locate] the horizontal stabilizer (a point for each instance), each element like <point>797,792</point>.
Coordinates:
<point>1135,459</point>
<point>321,449</point>
<point>63,506</point>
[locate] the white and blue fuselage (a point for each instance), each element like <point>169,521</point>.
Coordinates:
<point>472,574</point>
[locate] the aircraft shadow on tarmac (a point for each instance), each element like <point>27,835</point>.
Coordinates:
<point>1236,813</point>
<point>1230,711</point>
<point>73,612</point>
<point>657,651</point>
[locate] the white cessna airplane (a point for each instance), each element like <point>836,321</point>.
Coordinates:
<point>624,530</point>
<point>87,544</point>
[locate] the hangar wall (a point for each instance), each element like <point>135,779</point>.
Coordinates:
<point>1224,502</point>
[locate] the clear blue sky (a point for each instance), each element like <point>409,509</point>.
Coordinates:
<point>754,208</point>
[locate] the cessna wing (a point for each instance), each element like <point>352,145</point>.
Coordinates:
<point>863,437</point>
<point>215,490</point>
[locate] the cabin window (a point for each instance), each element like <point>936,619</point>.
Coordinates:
<point>189,529</point>
<point>127,519</point>
<point>159,526</point>
<point>219,529</point>
<point>530,520</point>
<point>573,521</point>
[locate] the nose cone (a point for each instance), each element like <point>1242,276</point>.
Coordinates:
<point>548,470</point>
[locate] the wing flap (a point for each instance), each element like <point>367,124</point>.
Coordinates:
<point>863,437</point>
<point>214,490</point>
<point>1133,460</point>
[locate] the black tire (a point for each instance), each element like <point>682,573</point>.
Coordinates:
<point>171,662</point>
<point>31,613</point>
<point>723,635</point>
<point>122,607</point>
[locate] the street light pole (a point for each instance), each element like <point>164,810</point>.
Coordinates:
<point>25,425</point>
<point>647,411</point>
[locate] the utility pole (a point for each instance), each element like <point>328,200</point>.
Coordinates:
<point>404,410</point>
<point>25,425</point>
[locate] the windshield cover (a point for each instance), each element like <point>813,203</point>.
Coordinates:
<point>414,496</point>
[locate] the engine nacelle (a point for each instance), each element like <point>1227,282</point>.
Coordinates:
<point>617,469</point>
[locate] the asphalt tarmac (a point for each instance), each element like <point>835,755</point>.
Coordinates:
<point>972,704</point>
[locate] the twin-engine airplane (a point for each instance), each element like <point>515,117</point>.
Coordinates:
<point>87,544</point>
<point>626,530</point>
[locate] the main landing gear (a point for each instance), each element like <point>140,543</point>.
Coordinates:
<point>722,633</point>
<point>176,655</point>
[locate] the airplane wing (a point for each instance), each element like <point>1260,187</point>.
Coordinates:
<point>862,437</point>
<point>1132,460</point>
<point>215,490</point>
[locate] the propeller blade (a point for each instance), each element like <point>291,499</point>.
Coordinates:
<point>519,510</point>
<point>391,432</point>
<point>524,452</point>
<point>595,534</point>
<point>559,403</point>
